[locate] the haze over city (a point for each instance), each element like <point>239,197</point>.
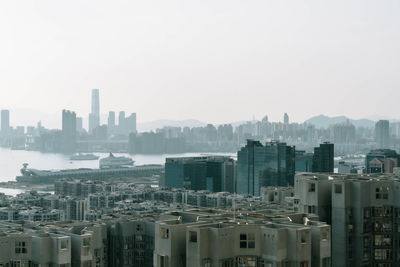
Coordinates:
<point>200,133</point>
<point>215,61</point>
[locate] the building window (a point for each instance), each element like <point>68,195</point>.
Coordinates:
<point>193,236</point>
<point>367,213</point>
<point>350,228</point>
<point>247,240</point>
<point>311,209</point>
<point>86,242</point>
<point>207,263</point>
<point>383,212</point>
<point>367,241</point>
<point>227,263</point>
<point>326,262</point>
<point>20,247</point>
<point>366,254</point>
<point>251,241</point>
<point>381,226</point>
<point>383,240</point>
<point>387,211</point>
<point>325,234</point>
<point>243,241</point>
<point>163,260</point>
<point>303,237</point>
<point>164,233</point>
<point>338,188</point>
<point>64,244</point>
<point>382,192</point>
<point>311,187</point>
<point>378,212</point>
<point>383,254</point>
<point>246,261</point>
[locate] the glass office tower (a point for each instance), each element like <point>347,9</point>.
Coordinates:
<point>269,165</point>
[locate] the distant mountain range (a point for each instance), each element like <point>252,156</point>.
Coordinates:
<point>322,121</point>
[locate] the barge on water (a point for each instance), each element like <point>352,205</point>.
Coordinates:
<point>50,176</point>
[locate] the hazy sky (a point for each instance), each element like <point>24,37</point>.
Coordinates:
<point>213,60</point>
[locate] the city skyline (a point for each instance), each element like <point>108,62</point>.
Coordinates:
<point>195,55</point>
<point>199,133</point>
<point>30,117</point>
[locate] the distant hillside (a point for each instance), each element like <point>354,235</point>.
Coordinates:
<point>323,121</point>
<point>153,125</point>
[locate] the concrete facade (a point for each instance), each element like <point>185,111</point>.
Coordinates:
<point>265,238</point>
<point>365,215</point>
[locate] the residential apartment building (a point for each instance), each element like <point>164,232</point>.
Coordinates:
<point>264,238</point>
<point>364,212</point>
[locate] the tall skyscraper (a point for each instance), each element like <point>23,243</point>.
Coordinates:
<point>94,116</point>
<point>286,118</point>
<point>382,138</point>
<point>269,165</point>
<point>121,118</point>
<point>130,123</point>
<point>79,124</point>
<point>323,159</point>
<point>111,120</point>
<point>95,102</point>
<point>121,122</point>
<point>5,121</point>
<point>68,131</point>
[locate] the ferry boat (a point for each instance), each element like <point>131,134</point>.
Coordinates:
<point>114,162</point>
<point>80,156</point>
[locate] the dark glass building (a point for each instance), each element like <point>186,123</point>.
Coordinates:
<point>269,165</point>
<point>304,161</point>
<point>213,173</point>
<point>323,159</point>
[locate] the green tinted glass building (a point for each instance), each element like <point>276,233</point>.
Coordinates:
<point>272,164</point>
